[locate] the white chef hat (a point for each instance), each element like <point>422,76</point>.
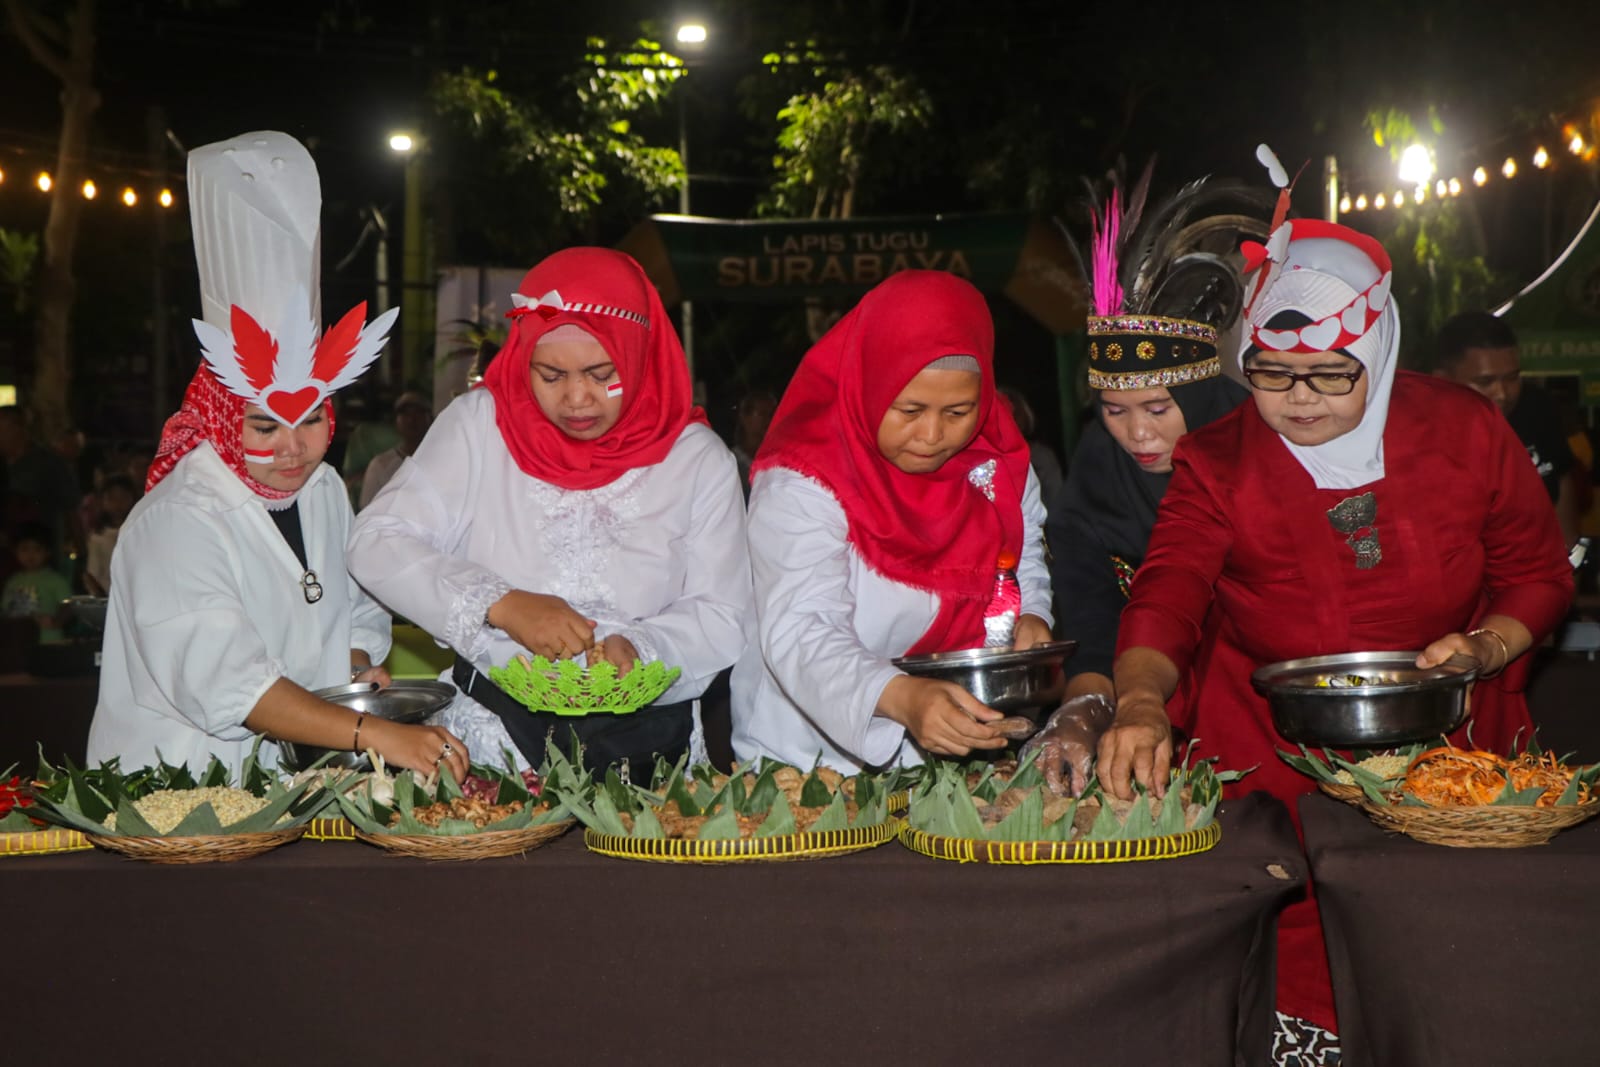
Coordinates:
<point>256,203</point>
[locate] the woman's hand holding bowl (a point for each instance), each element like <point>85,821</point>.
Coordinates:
<point>1031,631</point>
<point>617,651</point>
<point>942,717</point>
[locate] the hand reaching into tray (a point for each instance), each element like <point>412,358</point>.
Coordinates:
<point>542,624</point>
<point>615,650</point>
<point>1066,745</point>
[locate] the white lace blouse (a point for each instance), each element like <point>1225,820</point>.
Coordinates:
<point>657,556</point>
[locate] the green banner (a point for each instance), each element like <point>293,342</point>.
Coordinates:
<point>748,260</point>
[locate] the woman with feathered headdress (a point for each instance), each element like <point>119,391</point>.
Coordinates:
<point>1164,284</point>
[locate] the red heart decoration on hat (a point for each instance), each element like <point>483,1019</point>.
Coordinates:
<point>547,312</point>
<point>292,407</point>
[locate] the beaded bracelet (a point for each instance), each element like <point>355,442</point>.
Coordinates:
<point>1505,650</point>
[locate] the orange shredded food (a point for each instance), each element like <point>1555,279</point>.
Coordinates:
<point>1449,776</point>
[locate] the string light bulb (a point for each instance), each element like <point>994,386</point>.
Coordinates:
<point>89,190</point>
<point>1480,176</point>
<point>43,181</point>
<point>1509,168</point>
<point>130,197</point>
<point>1454,186</point>
<point>1541,158</point>
<point>1361,202</point>
<point>1379,202</point>
<point>165,198</point>
<point>1344,204</point>
<point>1439,187</point>
<point>1399,198</point>
<point>2,175</point>
<point>1576,145</point>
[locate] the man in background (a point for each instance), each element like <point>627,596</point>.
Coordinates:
<point>1480,351</point>
<point>412,417</point>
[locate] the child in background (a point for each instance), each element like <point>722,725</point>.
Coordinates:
<point>115,499</point>
<point>35,591</point>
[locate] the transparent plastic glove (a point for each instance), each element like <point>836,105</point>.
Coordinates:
<point>1066,745</point>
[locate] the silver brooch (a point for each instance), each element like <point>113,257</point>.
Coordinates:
<point>982,478</point>
<point>1357,517</point>
<point>310,587</point>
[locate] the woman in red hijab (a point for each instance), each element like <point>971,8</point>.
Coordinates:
<point>576,504</point>
<point>891,488</point>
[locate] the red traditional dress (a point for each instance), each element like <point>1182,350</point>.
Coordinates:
<point>1245,568</point>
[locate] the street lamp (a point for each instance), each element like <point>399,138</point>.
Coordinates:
<point>1416,165</point>
<point>693,34</point>
<point>415,284</point>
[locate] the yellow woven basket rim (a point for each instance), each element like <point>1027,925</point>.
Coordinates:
<point>743,849</point>
<point>42,842</point>
<point>337,828</point>
<point>974,850</point>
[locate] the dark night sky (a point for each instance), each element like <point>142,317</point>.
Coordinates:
<point>1218,78</point>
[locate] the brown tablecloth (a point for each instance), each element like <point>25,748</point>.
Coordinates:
<point>330,952</point>
<point>1457,956</point>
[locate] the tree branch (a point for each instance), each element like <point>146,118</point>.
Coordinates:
<point>22,26</point>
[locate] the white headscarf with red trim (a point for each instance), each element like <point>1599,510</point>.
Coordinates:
<point>255,202</point>
<point>1340,280</point>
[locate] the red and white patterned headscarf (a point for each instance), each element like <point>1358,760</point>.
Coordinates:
<point>211,413</point>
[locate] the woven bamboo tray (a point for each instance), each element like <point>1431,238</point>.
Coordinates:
<point>42,842</point>
<point>974,850</point>
<point>778,848</point>
<point>481,846</point>
<point>334,829</point>
<point>1480,826</point>
<point>200,848</point>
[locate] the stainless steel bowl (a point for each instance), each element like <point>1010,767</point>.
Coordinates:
<point>1002,679</point>
<point>1399,703</point>
<point>88,612</point>
<point>408,701</point>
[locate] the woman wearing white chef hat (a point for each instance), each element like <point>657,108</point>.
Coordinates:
<point>230,599</point>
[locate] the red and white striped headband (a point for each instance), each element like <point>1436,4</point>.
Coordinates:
<point>550,305</point>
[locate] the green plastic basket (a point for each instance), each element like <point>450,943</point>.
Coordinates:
<point>565,688</point>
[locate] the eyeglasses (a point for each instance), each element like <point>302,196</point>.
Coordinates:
<point>1328,383</point>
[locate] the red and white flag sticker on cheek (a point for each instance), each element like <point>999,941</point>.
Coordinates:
<point>614,389</point>
<point>260,457</point>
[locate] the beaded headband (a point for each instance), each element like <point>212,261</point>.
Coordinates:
<point>1147,351</point>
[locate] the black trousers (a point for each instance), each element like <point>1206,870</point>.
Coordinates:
<point>636,738</point>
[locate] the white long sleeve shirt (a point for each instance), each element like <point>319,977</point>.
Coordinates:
<point>828,626</point>
<point>207,611</point>
<point>657,556</point>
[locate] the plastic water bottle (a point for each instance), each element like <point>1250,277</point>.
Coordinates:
<point>1005,606</point>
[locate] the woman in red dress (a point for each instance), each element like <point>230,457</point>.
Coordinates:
<point>1350,507</point>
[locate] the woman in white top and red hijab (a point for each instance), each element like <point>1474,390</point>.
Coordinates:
<point>889,487</point>
<point>577,503</point>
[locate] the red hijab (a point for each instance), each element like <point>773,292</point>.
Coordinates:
<point>211,413</point>
<point>606,294</point>
<point>937,531</point>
